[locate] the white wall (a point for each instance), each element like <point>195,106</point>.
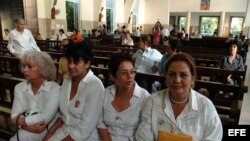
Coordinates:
<point>215,5</point>
<point>44,8</point>
<point>119,9</point>
<point>87,10</point>
<point>141,12</point>
<point>154,10</point>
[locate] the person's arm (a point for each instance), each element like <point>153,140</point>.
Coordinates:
<point>59,78</point>
<point>145,130</point>
<point>50,107</point>
<point>221,62</point>
<point>58,124</point>
<point>102,127</point>
<point>91,112</point>
<point>213,127</point>
<point>18,104</point>
<point>35,128</point>
<point>10,45</point>
<point>33,41</point>
<point>241,64</point>
<point>104,134</point>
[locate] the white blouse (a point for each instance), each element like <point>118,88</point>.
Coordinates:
<point>80,114</point>
<point>45,103</point>
<point>199,118</point>
<point>122,125</point>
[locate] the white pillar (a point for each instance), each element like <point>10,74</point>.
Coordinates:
<point>167,13</point>
<point>246,29</point>
<point>221,26</point>
<point>188,18</point>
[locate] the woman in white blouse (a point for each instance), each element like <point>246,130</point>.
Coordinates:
<point>122,102</point>
<point>80,100</point>
<point>179,113</point>
<point>62,35</point>
<point>127,40</point>
<point>36,99</point>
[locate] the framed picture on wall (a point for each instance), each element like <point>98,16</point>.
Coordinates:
<point>205,4</point>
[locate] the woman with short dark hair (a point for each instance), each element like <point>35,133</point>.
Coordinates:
<point>80,101</point>
<point>122,102</point>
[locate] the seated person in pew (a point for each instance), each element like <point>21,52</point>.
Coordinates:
<point>146,60</point>
<point>80,100</point>
<point>127,40</point>
<point>122,102</point>
<point>179,113</point>
<point>232,61</point>
<point>63,64</point>
<point>36,99</point>
<point>172,48</point>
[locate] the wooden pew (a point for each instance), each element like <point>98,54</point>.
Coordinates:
<point>225,97</point>
<point>10,65</point>
<point>3,47</point>
<point>6,100</point>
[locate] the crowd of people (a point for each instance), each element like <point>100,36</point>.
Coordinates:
<point>78,107</point>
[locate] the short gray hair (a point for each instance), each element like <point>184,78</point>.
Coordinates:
<point>44,62</point>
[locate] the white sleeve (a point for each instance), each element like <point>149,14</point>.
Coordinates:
<point>213,128</point>
<point>145,129</point>
<point>157,55</point>
<point>17,107</point>
<point>101,123</point>
<point>49,110</point>
<point>10,43</point>
<point>33,42</point>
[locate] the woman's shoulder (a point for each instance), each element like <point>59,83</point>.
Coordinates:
<point>51,85</point>
<point>22,85</point>
<point>202,100</point>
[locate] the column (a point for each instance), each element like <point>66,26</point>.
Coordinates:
<point>167,12</point>
<point>221,26</point>
<point>246,29</point>
<point>188,17</point>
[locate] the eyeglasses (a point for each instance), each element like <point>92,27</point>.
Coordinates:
<point>127,73</point>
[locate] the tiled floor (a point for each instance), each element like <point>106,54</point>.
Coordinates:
<point>245,111</point>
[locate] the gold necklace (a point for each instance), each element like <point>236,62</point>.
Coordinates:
<point>178,102</point>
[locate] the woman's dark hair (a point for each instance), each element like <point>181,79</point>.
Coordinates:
<point>175,44</point>
<point>77,51</point>
<point>61,30</point>
<point>189,60</point>
<point>116,60</point>
<point>233,42</point>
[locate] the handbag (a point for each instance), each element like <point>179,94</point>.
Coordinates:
<point>170,136</point>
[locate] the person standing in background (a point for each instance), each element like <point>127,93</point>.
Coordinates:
<point>21,39</point>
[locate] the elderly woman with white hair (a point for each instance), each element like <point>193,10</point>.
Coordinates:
<point>36,99</point>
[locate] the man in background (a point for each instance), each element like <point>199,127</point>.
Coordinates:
<point>21,39</point>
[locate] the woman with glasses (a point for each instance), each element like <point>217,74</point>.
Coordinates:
<point>122,101</point>
<point>179,113</point>
<point>80,100</point>
<point>36,99</point>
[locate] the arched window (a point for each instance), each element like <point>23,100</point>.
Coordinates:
<point>110,14</point>
<point>72,14</point>
<point>135,10</point>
